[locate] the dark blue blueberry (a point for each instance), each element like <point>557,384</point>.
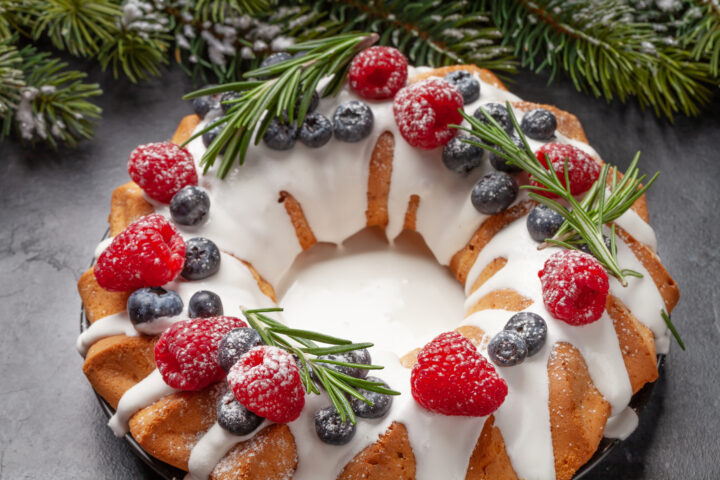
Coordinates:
<point>531,327</point>
<point>147,304</point>
<point>499,163</point>
<point>361,357</point>
<point>204,304</point>
<point>539,124</point>
<point>584,247</point>
<point>316,130</point>
<point>330,427</point>
<point>461,157</point>
<point>543,222</point>
<point>280,135</point>
<point>190,206</point>
<point>314,102</point>
<point>234,417</point>
<point>352,121</point>
<point>275,58</point>
<point>226,100</point>
<point>209,136</point>
<point>498,112</point>
<point>202,259</point>
<point>202,105</point>
<point>236,343</point>
<point>468,86</point>
<point>494,193</point>
<point>507,348</point>
<point>381,402</point>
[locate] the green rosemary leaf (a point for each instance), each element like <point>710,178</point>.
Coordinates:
<point>672,328</point>
<point>338,349</point>
<point>348,364</point>
<point>307,334</point>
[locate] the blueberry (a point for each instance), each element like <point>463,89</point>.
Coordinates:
<point>275,58</point>
<point>461,157</point>
<point>468,86</point>
<point>543,222</point>
<point>507,348</point>
<point>202,259</point>
<point>236,343</point>
<point>204,304</point>
<point>314,102</point>
<point>352,121</point>
<point>280,135</point>
<point>147,304</point>
<point>361,357</point>
<point>228,97</point>
<point>316,130</point>
<point>234,417</point>
<point>584,247</point>
<point>498,112</point>
<point>499,163</point>
<point>190,206</point>
<point>531,327</point>
<point>209,136</point>
<point>494,193</point>
<point>330,427</point>
<point>539,124</point>
<point>381,402</point>
<point>202,105</point>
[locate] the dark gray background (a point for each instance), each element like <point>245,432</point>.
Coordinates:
<point>53,210</point>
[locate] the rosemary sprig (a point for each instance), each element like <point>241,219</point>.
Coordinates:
<point>672,328</point>
<point>584,219</point>
<point>288,84</point>
<point>314,371</point>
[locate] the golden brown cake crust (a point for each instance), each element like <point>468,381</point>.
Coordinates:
<point>390,458</point>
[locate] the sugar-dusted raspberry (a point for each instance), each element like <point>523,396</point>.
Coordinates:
<point>186,354</point>
<point>424,110</point>
<point>378,72</point>
<point>267,381</point>
<point>575,287</point>
<point>162,169</point>
<point>148,253</point>
<point>452,378</point>
<point>583,171</point>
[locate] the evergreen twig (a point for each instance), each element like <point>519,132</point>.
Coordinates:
<point>672,328</point>
<point>584,220</point>
<point>313,371</point>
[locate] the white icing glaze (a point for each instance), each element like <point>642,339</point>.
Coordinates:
<point>116,324</point>
<point>211,448</point>
<point>146,392</point>
<point>331,184</point>
<point>621,425</point>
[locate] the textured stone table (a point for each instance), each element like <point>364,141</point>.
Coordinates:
<point>54,206</point>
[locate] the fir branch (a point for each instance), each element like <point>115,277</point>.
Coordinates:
<point>605,51</point>
<point>584,220</point>
<point>218,10</point>
<point>313,371</point>
<point>703,37</point>
<point>672,328</point>
<point>429,32</point>
<point>291,83</point>
<point>54,106</point>
<point>137,56</point>
<point>78,26</point>
<point>11,80</point>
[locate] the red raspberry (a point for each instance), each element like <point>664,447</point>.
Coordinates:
<point>452,378</point>
<point>583,171</point>
<point>575,287</point>
<point>148,253</point>
<point>187,352</point>
<point>267,381</point>
<point>424,110</point>
<point>378,72</point>
<point>162,169</point>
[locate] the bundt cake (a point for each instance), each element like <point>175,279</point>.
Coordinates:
<point>570,390</point>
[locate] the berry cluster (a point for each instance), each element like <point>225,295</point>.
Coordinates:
<point>523,336</point>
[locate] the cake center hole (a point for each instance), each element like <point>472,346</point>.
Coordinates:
<point>397,297</point>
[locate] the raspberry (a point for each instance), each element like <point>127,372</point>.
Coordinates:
<point>575,287</point>
<point>162,169</point>
<point>583,171</point>
<point>267,381</point>
<point>424,110</point>
<point>378,72</point>
<point>452,378</point>
<point>186,353</point>
<point>148,253</point>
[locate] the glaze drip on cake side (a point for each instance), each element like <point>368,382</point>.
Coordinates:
<point>247,221</point>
